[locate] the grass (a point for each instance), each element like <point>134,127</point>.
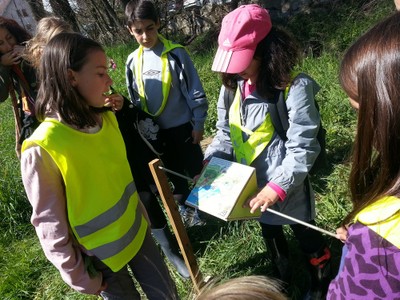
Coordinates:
<point>224,250</point>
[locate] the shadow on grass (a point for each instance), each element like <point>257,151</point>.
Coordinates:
<point>200,235</point>
<point>339,155</point>
<point>260,263</point>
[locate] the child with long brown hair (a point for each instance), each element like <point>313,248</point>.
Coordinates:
<point>369,74</point>
<point>17,79</point>
<point>86,209</point>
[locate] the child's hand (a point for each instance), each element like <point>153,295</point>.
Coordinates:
<point>10,58</point>
<point>265,198</point>
<point>18,49</point>
<point>341,233</point>
<point>115,101</point>
<point>197,136</point>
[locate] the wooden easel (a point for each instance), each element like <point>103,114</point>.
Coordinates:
<point>174,217</point>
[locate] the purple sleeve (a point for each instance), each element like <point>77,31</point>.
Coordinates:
<point>370,267</point>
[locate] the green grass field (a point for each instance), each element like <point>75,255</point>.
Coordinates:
<point>224,250</point>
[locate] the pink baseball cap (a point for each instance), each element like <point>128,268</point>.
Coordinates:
<point>241,31</point>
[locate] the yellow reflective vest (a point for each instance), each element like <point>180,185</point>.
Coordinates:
<point>166,77</point>
<point>102,201</point>
<point>247,151</point>
<point>383,217</point>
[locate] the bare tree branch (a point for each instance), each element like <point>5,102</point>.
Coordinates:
<point>62,9</point>
<point>37,8</point>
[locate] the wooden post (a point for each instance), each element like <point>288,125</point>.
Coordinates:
<point>174,217</point>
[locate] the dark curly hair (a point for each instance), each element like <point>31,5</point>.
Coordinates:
<point>279,54</point>
<point>16,30</point>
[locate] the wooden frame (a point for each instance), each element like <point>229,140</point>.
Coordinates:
<point>174,217</point>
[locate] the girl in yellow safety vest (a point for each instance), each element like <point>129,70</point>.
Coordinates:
<point>257,61</point>
<point>86,209</point>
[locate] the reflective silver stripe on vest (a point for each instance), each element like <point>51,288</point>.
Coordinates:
<point>113,248</point>
<point>109,216</point>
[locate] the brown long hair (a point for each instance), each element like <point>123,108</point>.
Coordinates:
<point>65,51</point>
<point>370,75</point>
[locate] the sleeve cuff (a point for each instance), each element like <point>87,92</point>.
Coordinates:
<point>281,193</point>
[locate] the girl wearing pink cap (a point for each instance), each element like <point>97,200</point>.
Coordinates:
<point>256,62</point>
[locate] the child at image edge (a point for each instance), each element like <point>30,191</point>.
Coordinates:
<point>17,79</point>
<point>242,288</point>
<point>163,81</point>
<point>86,210</point>
<point>256,61</point>
<point>369,74</point>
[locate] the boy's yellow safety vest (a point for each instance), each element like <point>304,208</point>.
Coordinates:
<point>102,201</point>
<point>166,77</point>
<point>383,217</point>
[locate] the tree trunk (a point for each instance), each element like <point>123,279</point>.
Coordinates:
<point>111,15</point>
<point>62,9</point>
<point>37,9</point>
<point>104,18</point>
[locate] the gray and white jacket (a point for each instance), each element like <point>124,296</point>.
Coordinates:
<point>186,102</point>
<point>283,163</point>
